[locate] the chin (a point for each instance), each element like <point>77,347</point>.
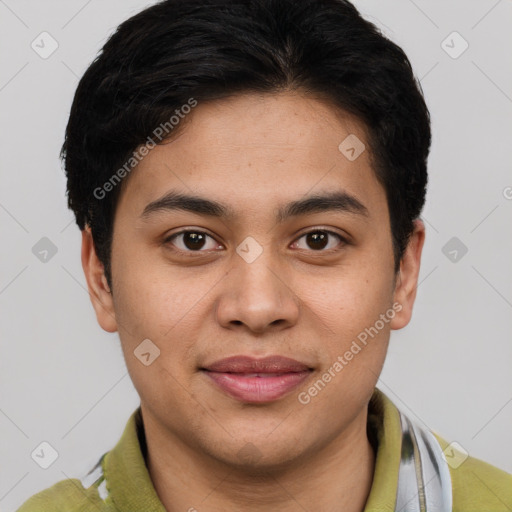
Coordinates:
<point>260,456</point>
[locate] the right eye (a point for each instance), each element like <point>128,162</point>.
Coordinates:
<point>191,241</point>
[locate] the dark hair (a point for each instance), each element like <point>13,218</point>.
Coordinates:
<point>176,50</point>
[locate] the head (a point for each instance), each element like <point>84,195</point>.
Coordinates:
<point>248,177</point>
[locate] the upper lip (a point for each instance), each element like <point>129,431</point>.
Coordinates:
<point>248,364</point>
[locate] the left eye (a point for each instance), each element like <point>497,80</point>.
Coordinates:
<point>319,239</point>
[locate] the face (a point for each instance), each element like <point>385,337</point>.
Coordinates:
<point>260,269</point>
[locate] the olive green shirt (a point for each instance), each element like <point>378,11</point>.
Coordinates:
<point>121,483</point>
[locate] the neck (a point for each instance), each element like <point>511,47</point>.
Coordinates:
<point>337,476</point>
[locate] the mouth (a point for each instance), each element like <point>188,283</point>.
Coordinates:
<point>253,380</point>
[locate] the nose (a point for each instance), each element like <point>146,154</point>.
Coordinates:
<point>257,296</point>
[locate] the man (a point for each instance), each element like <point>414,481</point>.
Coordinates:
<point>248,178</point>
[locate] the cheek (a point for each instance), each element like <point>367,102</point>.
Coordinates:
<point>153,302</point>
<point>149,297</point>
<point>153,310</point>
<point>351,299</point>
<point>358,314</point>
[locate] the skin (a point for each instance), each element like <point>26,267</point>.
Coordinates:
<point>255,153</point>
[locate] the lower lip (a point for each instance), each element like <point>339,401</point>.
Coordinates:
<point>258,389</point>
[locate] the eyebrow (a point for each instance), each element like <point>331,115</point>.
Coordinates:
<point>332,201</point>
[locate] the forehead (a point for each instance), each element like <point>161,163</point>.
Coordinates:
<point>255,150</point>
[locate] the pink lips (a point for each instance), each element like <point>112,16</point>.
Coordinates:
<point>257,380</point>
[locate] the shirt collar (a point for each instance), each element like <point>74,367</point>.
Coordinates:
<point>128,481</point>
<point>130,486</point>
<point>384,425</point>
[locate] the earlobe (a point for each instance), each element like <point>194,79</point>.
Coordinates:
<point>99,290</point>
<point>407,279</point>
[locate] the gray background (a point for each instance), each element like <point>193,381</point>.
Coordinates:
<point>63,380</point>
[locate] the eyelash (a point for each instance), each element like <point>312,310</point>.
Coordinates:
<point>169,239</point>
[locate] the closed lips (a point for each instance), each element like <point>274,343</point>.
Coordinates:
<point>270,366</point>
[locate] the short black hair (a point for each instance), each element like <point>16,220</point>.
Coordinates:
<point>178,50</point>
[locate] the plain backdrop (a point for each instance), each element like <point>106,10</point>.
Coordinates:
<point>64,381</point>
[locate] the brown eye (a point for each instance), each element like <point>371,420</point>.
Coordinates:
<point>319,240</point>
<point>192,241</point>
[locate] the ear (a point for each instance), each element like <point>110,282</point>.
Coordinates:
<point>99,291</point>
<point>407,279</point>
